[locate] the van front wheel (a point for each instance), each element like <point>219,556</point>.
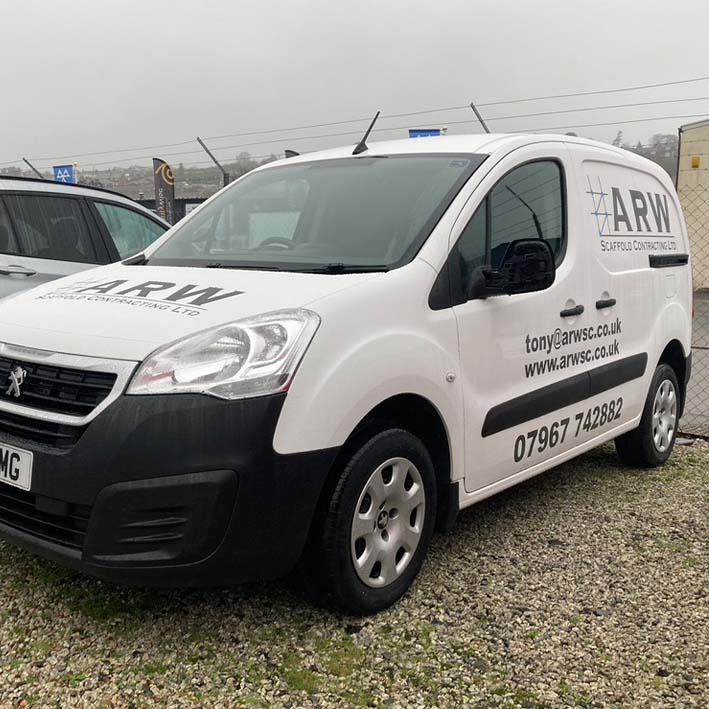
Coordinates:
<point>652,442</point>
<point>378,523</point>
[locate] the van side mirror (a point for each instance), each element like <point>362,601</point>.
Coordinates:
<point>528,265</point>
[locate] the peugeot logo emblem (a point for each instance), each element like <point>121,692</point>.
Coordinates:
<point>17,377</point>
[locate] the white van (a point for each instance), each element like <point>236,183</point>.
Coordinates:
<point>337,353</point>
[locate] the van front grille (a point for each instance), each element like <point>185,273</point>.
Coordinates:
<point>65,524</point>
<point>60,390</point>
<point>46,433</point>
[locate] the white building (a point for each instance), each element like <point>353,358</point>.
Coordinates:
<point>693,188</point>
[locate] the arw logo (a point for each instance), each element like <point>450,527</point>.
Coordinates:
<point>164,291</point>
<point>625,211</point>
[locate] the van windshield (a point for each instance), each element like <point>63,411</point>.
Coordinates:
<point>332,216</point>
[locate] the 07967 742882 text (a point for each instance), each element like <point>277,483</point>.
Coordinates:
<point>539,439</point>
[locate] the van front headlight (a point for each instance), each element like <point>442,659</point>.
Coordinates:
<point>249,357</point>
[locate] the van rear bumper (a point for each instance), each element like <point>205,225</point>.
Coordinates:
<point>170,490</point>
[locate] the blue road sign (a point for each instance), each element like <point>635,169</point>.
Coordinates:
<point>64,173</point>
<point>424,132</point>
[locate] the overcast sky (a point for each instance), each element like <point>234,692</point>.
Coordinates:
<point>91,75</point>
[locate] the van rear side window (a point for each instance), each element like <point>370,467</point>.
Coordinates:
<point>52,228</point>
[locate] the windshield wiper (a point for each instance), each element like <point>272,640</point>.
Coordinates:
<point>241,266</point>
<point>347,268</point>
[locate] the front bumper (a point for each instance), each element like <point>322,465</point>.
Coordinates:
<point>170,490</point>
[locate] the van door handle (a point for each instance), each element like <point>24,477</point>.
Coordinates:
<point>571,312</point>
<point>16,271</point>
<point>606,303</point>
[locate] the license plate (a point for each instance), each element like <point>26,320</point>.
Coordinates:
<point>15,466</point>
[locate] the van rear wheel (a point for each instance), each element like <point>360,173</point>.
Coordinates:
<point>652,442</point>
<point>377,525</point>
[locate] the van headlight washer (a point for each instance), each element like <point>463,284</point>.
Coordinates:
<point>249,357</point>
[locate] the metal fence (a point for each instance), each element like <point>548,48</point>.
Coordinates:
<point>695,204</point>
<point>696,412</point>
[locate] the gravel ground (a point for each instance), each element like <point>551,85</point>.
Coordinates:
<point>586,586</point>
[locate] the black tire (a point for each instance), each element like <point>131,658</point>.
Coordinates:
<point>330,565</point>
<point>638,448</point>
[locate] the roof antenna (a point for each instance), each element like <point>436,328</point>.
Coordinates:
<point>291,153</point>
<point>362,145</point>
<point>479,117</point>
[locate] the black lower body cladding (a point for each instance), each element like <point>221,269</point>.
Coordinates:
<point>562,393</point>
<point>170,490</point>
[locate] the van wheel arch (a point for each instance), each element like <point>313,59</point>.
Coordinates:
<point>674,356</point>
<point>418,416</point>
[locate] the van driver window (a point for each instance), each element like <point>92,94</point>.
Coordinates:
<point>527,203</point>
